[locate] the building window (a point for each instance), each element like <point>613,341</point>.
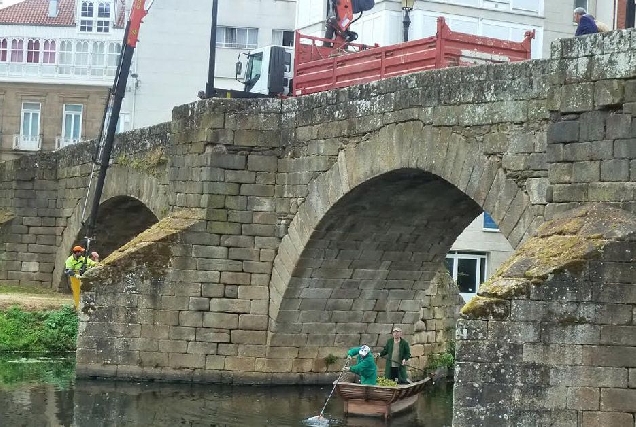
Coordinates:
<point>489,223</point>
<point>95,18</point>
<point>580,3</point>
<point>17,50</point>
<point>526,5</point>
<point>123,124</point>
<point>65,64</point>
<point>86,25</point>
<point>534,7</point>
<point>237,38</point>
<point>82,55</point>
<point>29,138</point>
<point>33,51</point>
<point>103,11</point>
<point>282,38</point>
<point>114,50</point>
<point>103,26</point>
<point>468,271</point>
<point>87,9</point>
<point>71,124</point>
<point>98,59</point>
<point>48,53</point>
<point>4,48</point>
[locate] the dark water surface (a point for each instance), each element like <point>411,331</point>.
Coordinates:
<point>44,393</point>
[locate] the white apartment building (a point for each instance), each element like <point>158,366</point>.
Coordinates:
<point>57,60</point>
<point>78,46</point>
<point>171,60</point>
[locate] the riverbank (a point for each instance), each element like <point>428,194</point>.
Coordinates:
<point>32,299</point>
<point>36,322</point>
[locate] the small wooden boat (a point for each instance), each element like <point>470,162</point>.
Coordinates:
<point>379,400</point>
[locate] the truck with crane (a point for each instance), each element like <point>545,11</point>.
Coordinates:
<point>317,64</point>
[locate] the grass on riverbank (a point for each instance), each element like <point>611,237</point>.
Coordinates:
<point>42,332</point>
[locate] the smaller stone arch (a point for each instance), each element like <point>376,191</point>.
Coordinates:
<point>123,187</point>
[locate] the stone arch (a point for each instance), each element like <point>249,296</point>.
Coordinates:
<point>124,188</point>
<point>397,170</point>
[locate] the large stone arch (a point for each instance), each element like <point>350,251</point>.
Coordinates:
<point>124,187</point>
<point>422,183</point>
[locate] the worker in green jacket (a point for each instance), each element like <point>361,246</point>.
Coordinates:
<point>397,352</point>
<point>365,367</point>
<point>76,262</point>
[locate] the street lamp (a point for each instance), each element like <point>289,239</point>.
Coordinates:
<point>407,7</point>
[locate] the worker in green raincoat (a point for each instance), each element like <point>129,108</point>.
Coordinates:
<point>365,367</point>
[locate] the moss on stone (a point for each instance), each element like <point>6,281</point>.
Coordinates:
<point>480,307</point>
<point>6,216</point>
<point>563,244</point>
<point>505,288</point>
<point>149,250</point>
<point>148,163</point>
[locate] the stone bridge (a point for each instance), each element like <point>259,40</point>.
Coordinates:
<point>278,232</point>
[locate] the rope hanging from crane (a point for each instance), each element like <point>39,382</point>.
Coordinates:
<point>110,120</point>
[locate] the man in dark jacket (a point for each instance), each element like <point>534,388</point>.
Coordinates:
<point>586,23</point>
<point>397,352</point>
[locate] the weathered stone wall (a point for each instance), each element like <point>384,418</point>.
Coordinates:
<point>29,195</point>
<point>138,172</point>
<point>550,338</point>
<point>591,151</point>
<point>322,220</point>
<point>43,193</point>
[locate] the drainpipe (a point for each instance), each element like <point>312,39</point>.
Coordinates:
<point>630,13</point>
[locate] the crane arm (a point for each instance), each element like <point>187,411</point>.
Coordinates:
<point>111,113</point>
<point>338,25</point>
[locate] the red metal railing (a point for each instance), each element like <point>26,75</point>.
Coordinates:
<point>318,68</point>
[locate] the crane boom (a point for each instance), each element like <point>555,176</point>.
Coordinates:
<point>113,107</point>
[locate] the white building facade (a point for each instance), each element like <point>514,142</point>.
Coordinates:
<point>57,60</point>
<point>171,60</point>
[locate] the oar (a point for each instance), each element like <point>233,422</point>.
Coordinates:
<point>408,366</point>
<point>332,390</point>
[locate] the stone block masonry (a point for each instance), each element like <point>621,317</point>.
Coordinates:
<point>318,223</point>
<point>555,325</point>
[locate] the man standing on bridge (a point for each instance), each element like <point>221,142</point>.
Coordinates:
<point>586,23</point>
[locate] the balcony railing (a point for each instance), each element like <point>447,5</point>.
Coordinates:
<point>62,141</point>
<point>27,142</point>
<point>59,59</point>
<point>58,72</point>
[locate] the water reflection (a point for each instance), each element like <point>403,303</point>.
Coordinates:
<point>91,404</point>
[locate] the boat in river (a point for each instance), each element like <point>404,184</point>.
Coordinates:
<point>378,401</point>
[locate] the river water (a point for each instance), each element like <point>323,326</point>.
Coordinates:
<point>43,393</point>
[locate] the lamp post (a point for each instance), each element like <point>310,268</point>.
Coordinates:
<point>209,87</point>
<point>407,7</point>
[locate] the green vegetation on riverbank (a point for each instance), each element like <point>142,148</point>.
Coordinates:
<point>43,332</point>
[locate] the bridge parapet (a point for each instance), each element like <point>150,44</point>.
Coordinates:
<point>554,325</point>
